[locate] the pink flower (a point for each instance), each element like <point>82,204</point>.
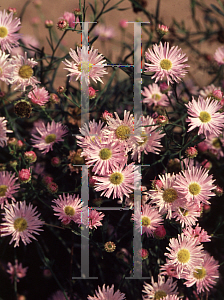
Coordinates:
<point>49,135</point>
<point>160,232</point>
<point>166,62</point>
<point>5,68</point>
<point>106,115</point>
<point>55,161</point>
<point>185,254</point>
<point>68,208</point>
<point>24,175</point>
<point>162,29</point>
<point>104,33</point>
<point>207,91</point>
<point>154,96</point>
<point>123,23</point>
<point>92,93</point>
<point>30,156</point>
<point>160,289</point>
<point>9,38</point>
<point>119,182</point>
<point>198,233</point>
<point>39,96</point>
<point>219,55</point>
<point>23,71</point>
<point>3,131</point>
<point>91,218</point>
<point>143,253</point>
<point>21,221</point>
<point>88,61</point>
<point>17,271</point>
<point>204,275</point>
<point>7,187</point>
<point>187,214</point>
<point>49,23</point>
<point>70,18</point>
<point>147,220</point>
<point>107,293</point>
<point>204,114</point>
<point>59,295</point>
<point>191,152</point>
<point>52,187</point>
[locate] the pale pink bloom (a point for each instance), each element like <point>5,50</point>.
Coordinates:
<point>197,233</point>
<point>22,222</point>
<point>107,293</point>
<point>5,68</point>
<point>104,154</point>
<point>207,91</point>
<point>68,208</point>
<point>186,214</point>
<point>214,144</point>
<point>17,271</point>
<point>163,29</point>
<point>8,187</point>
<point>104,33</point>
<point>3,131</point>
<point>49,135</point>
<point>185,254</point>
<point>22,72</point>
<point>147,220</point>
<point>151,139</point>
<point>160,289</point>
<point>166,62</point>
<point>91,218</point>
<point>195,185</point>
<point>204,275</point>
<point>219,55</point>
<point>106,115</point>
<point>125,131</point>
<point>204,114</point>
<point>70,18</point>
<point>166,198</point>
<point>59,295</point>
<point>120,182</point>
<point>39,96</point>
<point>9,38</point>
<point>153,95</point>
<point>123,23</point>
<point>88,61</point>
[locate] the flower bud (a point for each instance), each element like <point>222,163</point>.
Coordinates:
<point>55,161</point>
<point>160,232</point>
<point>191,152</point>
<point>162,29</point>
<point>12,9</point>
<point>62,24</point>
<point>30,156</point>
<point>24,175</point>
<point>49,23</point>
<point>52,187</point>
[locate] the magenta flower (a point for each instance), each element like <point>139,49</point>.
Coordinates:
<point>70,18</point>
<point>22,222</point>
<point>107,293</point>
<point>49,135</point>
<point>39,96</point>
<point>24,175</point>
<point>166,62</point>
<point>3,131</point>
<point>17,271</point>
<point>8,187</point>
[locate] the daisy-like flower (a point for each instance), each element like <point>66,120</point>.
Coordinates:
<point>88,61</point>
<point>104,154</point>
<point>166,198</point>
<point>125,131</point>
<point>8,28</point>
<point>91,218</point>
<point>151,139</point>
<point>22,72</point>
<point>49,135</point>
<point>107,293</point>
<point>214,144</point>
<point>39,96</point>
<point>153,95</point>
<point>3,131</point>
<point>219,55</point>
<point>166,62</point>
<point>22,222</point>
<point>197,233</point>
<point>185,254</point>
<point>205,275</point>
<point>207,91</point>
<point>17,271</point>
<point>186,214</point>
<point>160,289</point>
<point>120,182</point>
<point>148,220</point>
<point>5,68</point>
<point>204,114</point>
<point>70,18</point>
<point>68,208</point>
<point>195,184</point>
<point>8,187</point>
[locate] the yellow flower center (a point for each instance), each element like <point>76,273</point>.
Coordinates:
<point>146,221</point>
<point>50,138</point>
<point>20,224</point>
<point>3,189</point>
<point>3,31</point>
<point>166,64</point>
<point>122,132</point>
<point>216,143</point>
<point>69,211</point>
<point>116,178</point>
<point>194,188</point>
<point>156,97</point>
<point>145,138</point>
<point>25,72</point>
<point>199,273</point>
<point>204,116</point>
<point>183,256</point>
<point>105,153</point>
<point>183,211</point>
<point>169,195</point>
<point>85,66</point>
<point>159,295</point>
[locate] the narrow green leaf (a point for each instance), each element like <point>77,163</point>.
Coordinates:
<point>217,9</point>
